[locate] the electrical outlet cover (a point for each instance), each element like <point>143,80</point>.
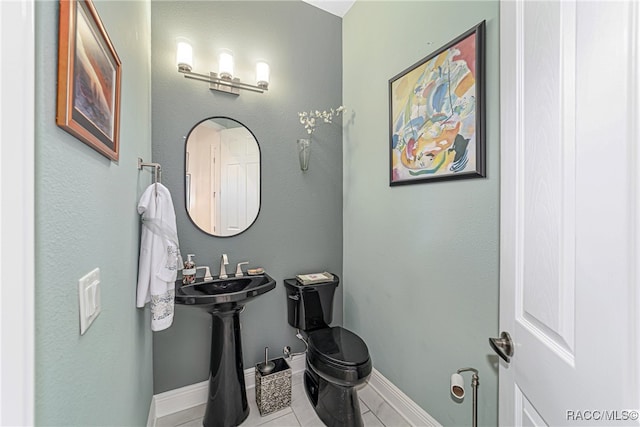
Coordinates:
<point>89,299</point>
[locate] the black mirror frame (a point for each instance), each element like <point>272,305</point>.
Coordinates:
<point>184,168</point>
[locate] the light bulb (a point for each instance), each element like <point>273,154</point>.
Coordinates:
<point>225,63</point>
<point>262,74</point>
<point>184,56</point>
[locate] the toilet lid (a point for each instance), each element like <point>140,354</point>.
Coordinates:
<point>338,345</point>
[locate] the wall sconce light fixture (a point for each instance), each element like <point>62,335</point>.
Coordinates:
<point>223,80</point>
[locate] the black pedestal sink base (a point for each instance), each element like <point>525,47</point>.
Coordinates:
<point>227,404</point>
<point>225,298</point>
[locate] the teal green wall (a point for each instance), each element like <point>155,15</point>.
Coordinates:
<point>299,228</point>
<point>425,309</point>
<point>86,218</point>
<point>420,261</point>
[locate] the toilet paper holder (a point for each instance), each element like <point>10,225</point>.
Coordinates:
<point>457,390</point>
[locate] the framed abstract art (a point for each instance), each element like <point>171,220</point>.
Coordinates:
<point>437,114</point>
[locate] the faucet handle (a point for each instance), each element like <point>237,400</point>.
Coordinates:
<point>207,273</point>
<point>239,268</point>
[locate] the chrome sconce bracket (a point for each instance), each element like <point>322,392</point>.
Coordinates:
<point>232,88</point>
<point>221,84</point>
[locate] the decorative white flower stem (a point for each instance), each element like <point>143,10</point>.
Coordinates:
<point>308,119</point>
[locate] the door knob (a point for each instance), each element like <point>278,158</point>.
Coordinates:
<point>503,346</point>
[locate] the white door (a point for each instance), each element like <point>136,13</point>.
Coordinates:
<point>17,68</point>
<point>239,180</point>
<point>570,207</point>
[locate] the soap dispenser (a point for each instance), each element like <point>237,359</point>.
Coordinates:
<point>189,271</point>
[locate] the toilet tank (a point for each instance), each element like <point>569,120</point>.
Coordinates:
<point>310,307</point>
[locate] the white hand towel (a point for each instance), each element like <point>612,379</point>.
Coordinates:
<point>159,255</point>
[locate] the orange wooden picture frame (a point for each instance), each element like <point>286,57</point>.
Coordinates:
<point>89,73</point>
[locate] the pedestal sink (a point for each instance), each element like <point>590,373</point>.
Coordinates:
<point>227,404</point>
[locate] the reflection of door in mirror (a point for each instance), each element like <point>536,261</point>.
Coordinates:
<point>239,178</point>
<point>202,143</point>
<point>222,177</point>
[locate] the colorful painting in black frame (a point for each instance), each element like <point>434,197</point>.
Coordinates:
<point>437,114</point>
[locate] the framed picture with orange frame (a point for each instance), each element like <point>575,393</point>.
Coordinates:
<point>89,72</point>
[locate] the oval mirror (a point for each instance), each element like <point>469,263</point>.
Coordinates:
<point>222,176</point>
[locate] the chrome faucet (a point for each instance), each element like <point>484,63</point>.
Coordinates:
<point>223,261</point>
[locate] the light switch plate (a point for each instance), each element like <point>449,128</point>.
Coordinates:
<point>89,299</point>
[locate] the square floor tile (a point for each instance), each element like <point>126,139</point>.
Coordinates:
<point>371,420</point>
<point>254,418</point>
<point>389,416</point>
<point>194,423</point>
<point>289,420</point>
<point>179,418</point>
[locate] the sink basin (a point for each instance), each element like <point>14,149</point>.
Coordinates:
<point>230,291</point>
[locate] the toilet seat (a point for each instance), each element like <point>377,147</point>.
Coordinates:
<point>338,347</point>
<point>339,356</point>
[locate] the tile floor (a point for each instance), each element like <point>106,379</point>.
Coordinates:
<point>376,412</point>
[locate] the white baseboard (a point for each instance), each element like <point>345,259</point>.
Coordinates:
<point>151,419</point>
<point>414,414</point>
<point>196,394</point>
<point>189,396</point>
<point>180,399</point>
